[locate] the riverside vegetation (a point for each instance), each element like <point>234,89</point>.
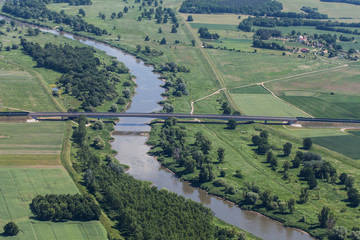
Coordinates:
<point>178,47</point>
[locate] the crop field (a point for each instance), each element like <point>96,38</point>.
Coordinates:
<point>265,105</point>
<point>19,186</point>
<point>21,89</point>
<point>331,93</point>
<point>347,145</point>
<point>31,138</point>
<point>240,69</point>
<point>335,10</point>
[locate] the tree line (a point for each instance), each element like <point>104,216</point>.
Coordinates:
<point>70,2</point>
<point>60,207</point>
<point>139,210</point>
<point>204,33</point>
<point>355,2</point>
<point>261,44</point>
<point>246,24</point>
<point>82,76</point>
<point>257,7</point>
<point>36,9</point>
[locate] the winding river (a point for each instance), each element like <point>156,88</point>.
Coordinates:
<point>130,144</point>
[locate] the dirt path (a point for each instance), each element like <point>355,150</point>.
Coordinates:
<point>267,89</point>
<point>207,58</point>
<point>18,109</point>
<point>211,94</point>
<point>293,76</point>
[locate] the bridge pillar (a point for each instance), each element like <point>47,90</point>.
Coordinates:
<point>290,122</point>
<point>265,122</point>
<point>62,118</point>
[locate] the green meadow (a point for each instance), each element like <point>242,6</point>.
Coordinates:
<point>20,185</point>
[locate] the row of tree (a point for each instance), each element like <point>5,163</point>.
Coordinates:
<point>356,2</point>
<point>71,2</point>
<point>258,7</point>
<point>246,24</point>
<point>204,33</point>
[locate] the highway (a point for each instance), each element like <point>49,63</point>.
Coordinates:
<point>62,115</point>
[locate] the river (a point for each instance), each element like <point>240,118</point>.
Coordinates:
<point>130,144</point>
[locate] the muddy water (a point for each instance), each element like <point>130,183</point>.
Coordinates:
<point>133,152</point>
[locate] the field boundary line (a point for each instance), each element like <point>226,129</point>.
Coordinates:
<point>293,76</point>
<point>273,94</point>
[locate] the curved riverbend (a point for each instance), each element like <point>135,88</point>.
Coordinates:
<point>133,152</point>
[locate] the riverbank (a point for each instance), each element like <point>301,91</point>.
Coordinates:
<point>257,176</point>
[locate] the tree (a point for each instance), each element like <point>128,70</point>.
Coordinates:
<point>193,42</point>
<point>307,143</point>
<point>338,233</point>
<point>238,174</point>
<point>264,134</point>
<point>147,38</point>
<point>287,148</point>
<point>256,140</point>
<point>82,12</point>
<point>221,154</point>
<point>160,30</point>
<point>286,165</point>
<point>251,198</point>
<point>163,41</point>
<point>126,9</point>
<point>206,173</point>
<point>98,143</point>
<point>282,206</point>
<point>114,108</point>
<point>269,157</point>
<point>304,195</point>
<point>326,218</point>
<point>343,178</point>
<point>353,196</point>
<point>312,182</point>
<point>291,205</point>
<point>231,124</point>
<point>11,229</point>
<point>190,18</point>
<point>173,29</point>
<point>138,48</point>
<point>262,149</point>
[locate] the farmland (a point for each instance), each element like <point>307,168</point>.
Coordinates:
<point>19,186</point>
<point>316,85</point>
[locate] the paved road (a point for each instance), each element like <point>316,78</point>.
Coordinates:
<point>159,115</point>
<point>177,115</point>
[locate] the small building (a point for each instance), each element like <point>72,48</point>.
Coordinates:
<point>305,50</point>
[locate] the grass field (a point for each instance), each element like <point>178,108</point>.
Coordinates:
<point>17,84</point>
<point>334,10</point>
<point>240,69</point>
<point>265,105</point>
<point>332,93</point>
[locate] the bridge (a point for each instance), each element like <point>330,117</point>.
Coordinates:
<point>62,115</point>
